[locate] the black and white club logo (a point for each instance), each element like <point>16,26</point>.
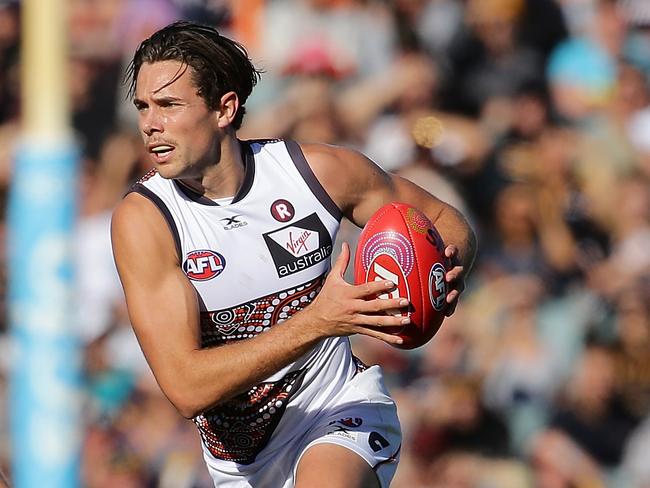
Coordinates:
<point>233,222</point>
<point>299,246</point>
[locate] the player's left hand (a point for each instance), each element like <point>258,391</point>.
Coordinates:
<point>455,279</point>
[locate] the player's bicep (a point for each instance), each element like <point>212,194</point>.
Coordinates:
<point>353,181</point>
<point>161,302</point>
<point>409,192</point>
<point>373,188</point>
<point>360,187</point>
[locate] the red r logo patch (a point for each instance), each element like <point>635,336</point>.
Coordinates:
<point>282,210</point>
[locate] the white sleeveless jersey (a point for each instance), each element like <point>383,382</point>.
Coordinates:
<point>254,263</point>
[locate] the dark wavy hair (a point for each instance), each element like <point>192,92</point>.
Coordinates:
<point>218,64</point>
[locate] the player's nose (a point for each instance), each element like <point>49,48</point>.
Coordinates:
<point>151,123</point>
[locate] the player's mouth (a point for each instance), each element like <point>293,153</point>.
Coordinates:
<point>160,153</point>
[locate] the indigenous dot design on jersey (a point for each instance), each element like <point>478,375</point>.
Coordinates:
<point>150,174</point>
<point>359,365</point>
<point>249,319</point>
<point>238,429</point>
<point>392,243</point>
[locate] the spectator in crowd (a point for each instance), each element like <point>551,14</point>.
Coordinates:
<point>582,69</point>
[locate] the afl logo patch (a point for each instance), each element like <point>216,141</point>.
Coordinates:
<point>203,265</point>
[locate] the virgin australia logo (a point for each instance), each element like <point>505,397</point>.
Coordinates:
<point>299,246</point>
<point>298,241</point>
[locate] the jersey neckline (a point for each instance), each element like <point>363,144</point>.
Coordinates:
<point>249,175</point>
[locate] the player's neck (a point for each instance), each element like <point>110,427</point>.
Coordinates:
<point>225,177</point>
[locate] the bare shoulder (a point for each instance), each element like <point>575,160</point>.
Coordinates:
<point>134,214</point>
<point>346,174</point>
<point>326,158</point>
<point>132,207</point>
<point>138,229</point>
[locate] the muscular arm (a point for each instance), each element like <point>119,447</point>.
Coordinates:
<point>164,313</point>
<point>366,187</point>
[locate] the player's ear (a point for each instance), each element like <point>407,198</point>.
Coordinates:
<point>228,106</point>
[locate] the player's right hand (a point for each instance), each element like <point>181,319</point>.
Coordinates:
<point>343,309</point>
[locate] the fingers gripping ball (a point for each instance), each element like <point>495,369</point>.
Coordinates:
<point>399,243</point>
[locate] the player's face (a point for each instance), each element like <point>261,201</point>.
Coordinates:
<point>180,132</point>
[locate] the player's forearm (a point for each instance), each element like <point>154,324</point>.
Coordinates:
<point>450,223</point>
<point>454,229</point>
<point>207,377</point>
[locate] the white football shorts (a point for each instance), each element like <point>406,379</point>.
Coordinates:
<point>364,420</point>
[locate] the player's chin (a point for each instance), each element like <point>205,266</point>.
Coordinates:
<point>168,171</point>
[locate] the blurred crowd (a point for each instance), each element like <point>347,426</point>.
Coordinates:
<point>530,116</point>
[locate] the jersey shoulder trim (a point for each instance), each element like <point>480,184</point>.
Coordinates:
<point>147,176</point>
<point>269,140</point>
<point>249,176</point>
<point>308,175</point>
<point>249,171</point>
<point>157,201</point>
